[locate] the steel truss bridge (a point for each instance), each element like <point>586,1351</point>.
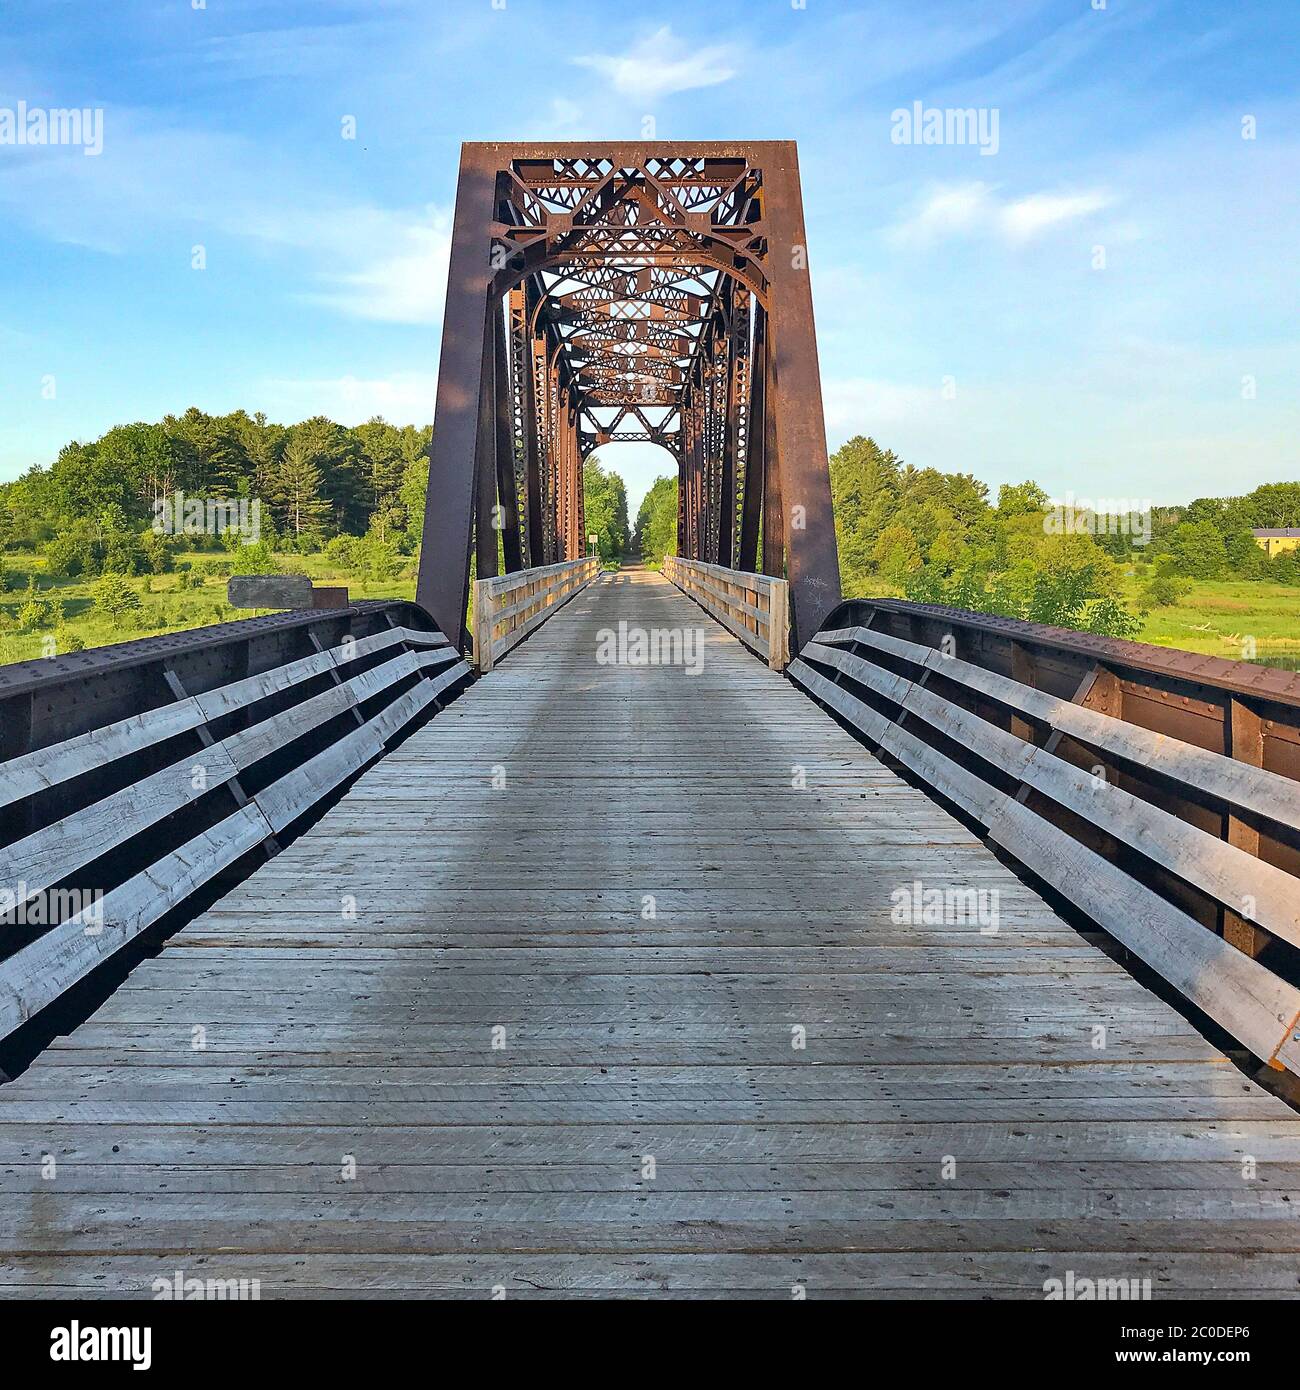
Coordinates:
<point>673,933</point>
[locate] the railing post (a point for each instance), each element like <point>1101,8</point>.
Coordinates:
<point>1243,740</point>
<point>735,598</point>
<point>778,625</point>
<point>481,624</point>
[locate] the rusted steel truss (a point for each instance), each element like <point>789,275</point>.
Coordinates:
<point>654,292</point>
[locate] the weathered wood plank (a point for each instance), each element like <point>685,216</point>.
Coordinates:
<point>455,978</point>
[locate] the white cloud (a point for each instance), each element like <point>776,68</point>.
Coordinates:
<point>404,280</point>
<point>406,398</point>
<point>1027,217</point>
<point>976,209</point>
<point>960,208</point>
<point>178,187</point>
<point>660,64</point>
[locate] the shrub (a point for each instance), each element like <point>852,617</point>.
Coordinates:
<point>340,553</point>
<point>253,559</point>
<point>68,556</point>
<point>1110,618</point>
<point>157,553</point>
<point>1162,592</point>
<point>376,559</point>
<point>123,553</point>
<point>34,615</point>
<point>115,598</point>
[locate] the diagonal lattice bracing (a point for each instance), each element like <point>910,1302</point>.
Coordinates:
<point>655,292</point>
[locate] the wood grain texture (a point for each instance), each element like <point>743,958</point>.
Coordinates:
<point>525,1009</point>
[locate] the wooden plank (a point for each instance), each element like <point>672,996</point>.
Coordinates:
<point>285,800</point>
<point>42,971</point>
<point>1229,873</point>
<point>44,768</point>
<point>1245,743</point>
<point>494,890</point>
<point>548,587</point>
<point>1251,788</point>
<point>42,859</point>
<point>1254,1005</point>
<point>708,585</point>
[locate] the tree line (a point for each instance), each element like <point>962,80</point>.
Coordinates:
<point>938,538</point>
<point>93,509</point>
<point>604,499</point>
<point>359,494</point>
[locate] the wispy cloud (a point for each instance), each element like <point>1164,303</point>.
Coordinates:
<point>403,279</point>
<point>977,209</point>
<point>661,64</point>
<point>1027,217</point>
<point>183,186</point>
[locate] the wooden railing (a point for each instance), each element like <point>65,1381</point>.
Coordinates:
<point>1185,853</point>
<point>506,609</point>
<point>133,775</point>
<point>754,607</point>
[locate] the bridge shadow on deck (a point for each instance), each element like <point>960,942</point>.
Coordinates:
<point>608,981</point>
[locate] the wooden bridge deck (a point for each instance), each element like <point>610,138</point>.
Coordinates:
<point>556,1037</point>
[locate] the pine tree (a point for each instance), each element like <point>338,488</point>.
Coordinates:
<point>298,486</point>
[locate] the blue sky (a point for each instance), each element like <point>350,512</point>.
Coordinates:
<point>1118,127</point>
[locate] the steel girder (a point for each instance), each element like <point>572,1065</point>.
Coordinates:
<point>602,292</point>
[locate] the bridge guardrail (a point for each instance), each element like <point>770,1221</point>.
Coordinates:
<point>507,608</point>
<point>1158,791</point>
<point>753,607</point>
<point>132,775</point>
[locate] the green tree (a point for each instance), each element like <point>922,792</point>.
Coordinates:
<point>1162,591</point>
<point>1022,499</point>
<point>337,455</point>
<point>1199,550</point>
<point>298,486</point>
<point>605,508</point>
<point>263,445</point>
<point>114,597</point>
<point>896,554</point>
<point>384,467</point>
<point>415,481</point>
<point>68,555</point>
<point>656,522</point>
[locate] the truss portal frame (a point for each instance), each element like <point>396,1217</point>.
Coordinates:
<point>602,292</point>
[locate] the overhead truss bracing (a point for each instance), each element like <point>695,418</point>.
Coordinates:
<point>656,293</point>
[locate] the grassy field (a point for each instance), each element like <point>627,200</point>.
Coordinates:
<point>1224,617</point>
<point>1217,617</point>
<point>168,602</point>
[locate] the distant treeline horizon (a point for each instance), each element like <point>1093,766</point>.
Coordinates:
<point>933,535</point>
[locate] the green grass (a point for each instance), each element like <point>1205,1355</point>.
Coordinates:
<point>1222,616</point>
<point>168,608</point>
<point>1215,616</point>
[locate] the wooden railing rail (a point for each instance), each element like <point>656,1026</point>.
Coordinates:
<point>754,607</point>
<point>106,830</point>
<point>1137,827</point>
<point>506,609</point>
